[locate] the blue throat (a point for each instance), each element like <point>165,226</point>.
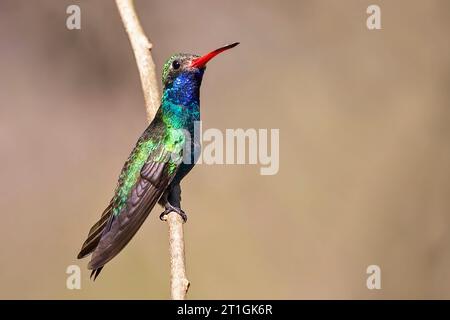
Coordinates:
<point>181,100</point>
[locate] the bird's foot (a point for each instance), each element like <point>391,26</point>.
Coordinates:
<point>168,209</point>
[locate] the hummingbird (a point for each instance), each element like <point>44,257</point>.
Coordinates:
<point>164,154</point>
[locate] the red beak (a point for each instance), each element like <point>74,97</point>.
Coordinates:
<point>203,60</point>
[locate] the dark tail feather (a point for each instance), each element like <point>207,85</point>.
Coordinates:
<point>95,233</point>
<point>95,273</point>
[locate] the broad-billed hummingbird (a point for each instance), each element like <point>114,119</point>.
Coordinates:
<point>155,167</point>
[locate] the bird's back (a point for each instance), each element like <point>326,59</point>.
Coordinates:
<point>149,157</point>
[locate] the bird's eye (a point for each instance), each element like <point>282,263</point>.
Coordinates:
<point>175,64</point>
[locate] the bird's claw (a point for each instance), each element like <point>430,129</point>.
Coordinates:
<point>168,209</point>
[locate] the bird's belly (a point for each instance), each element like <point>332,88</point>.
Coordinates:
<point>189,161</point>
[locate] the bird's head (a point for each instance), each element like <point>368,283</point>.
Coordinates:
<point>184,68</point>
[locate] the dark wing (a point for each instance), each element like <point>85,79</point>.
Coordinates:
<point>154,178</point>
<point>96,231</point>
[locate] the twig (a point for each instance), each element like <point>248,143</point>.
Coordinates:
<point>179,284</point>
<point>142,52</point>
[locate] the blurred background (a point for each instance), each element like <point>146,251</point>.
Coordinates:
<point>364,121</point>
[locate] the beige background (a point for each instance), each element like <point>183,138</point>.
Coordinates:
<point>364,167</point>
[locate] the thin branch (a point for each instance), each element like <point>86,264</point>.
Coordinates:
<point>142,52</point>
<point>179,284</point>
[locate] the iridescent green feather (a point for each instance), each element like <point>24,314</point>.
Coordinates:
<point>130,173</point>
<point>148,150</point>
